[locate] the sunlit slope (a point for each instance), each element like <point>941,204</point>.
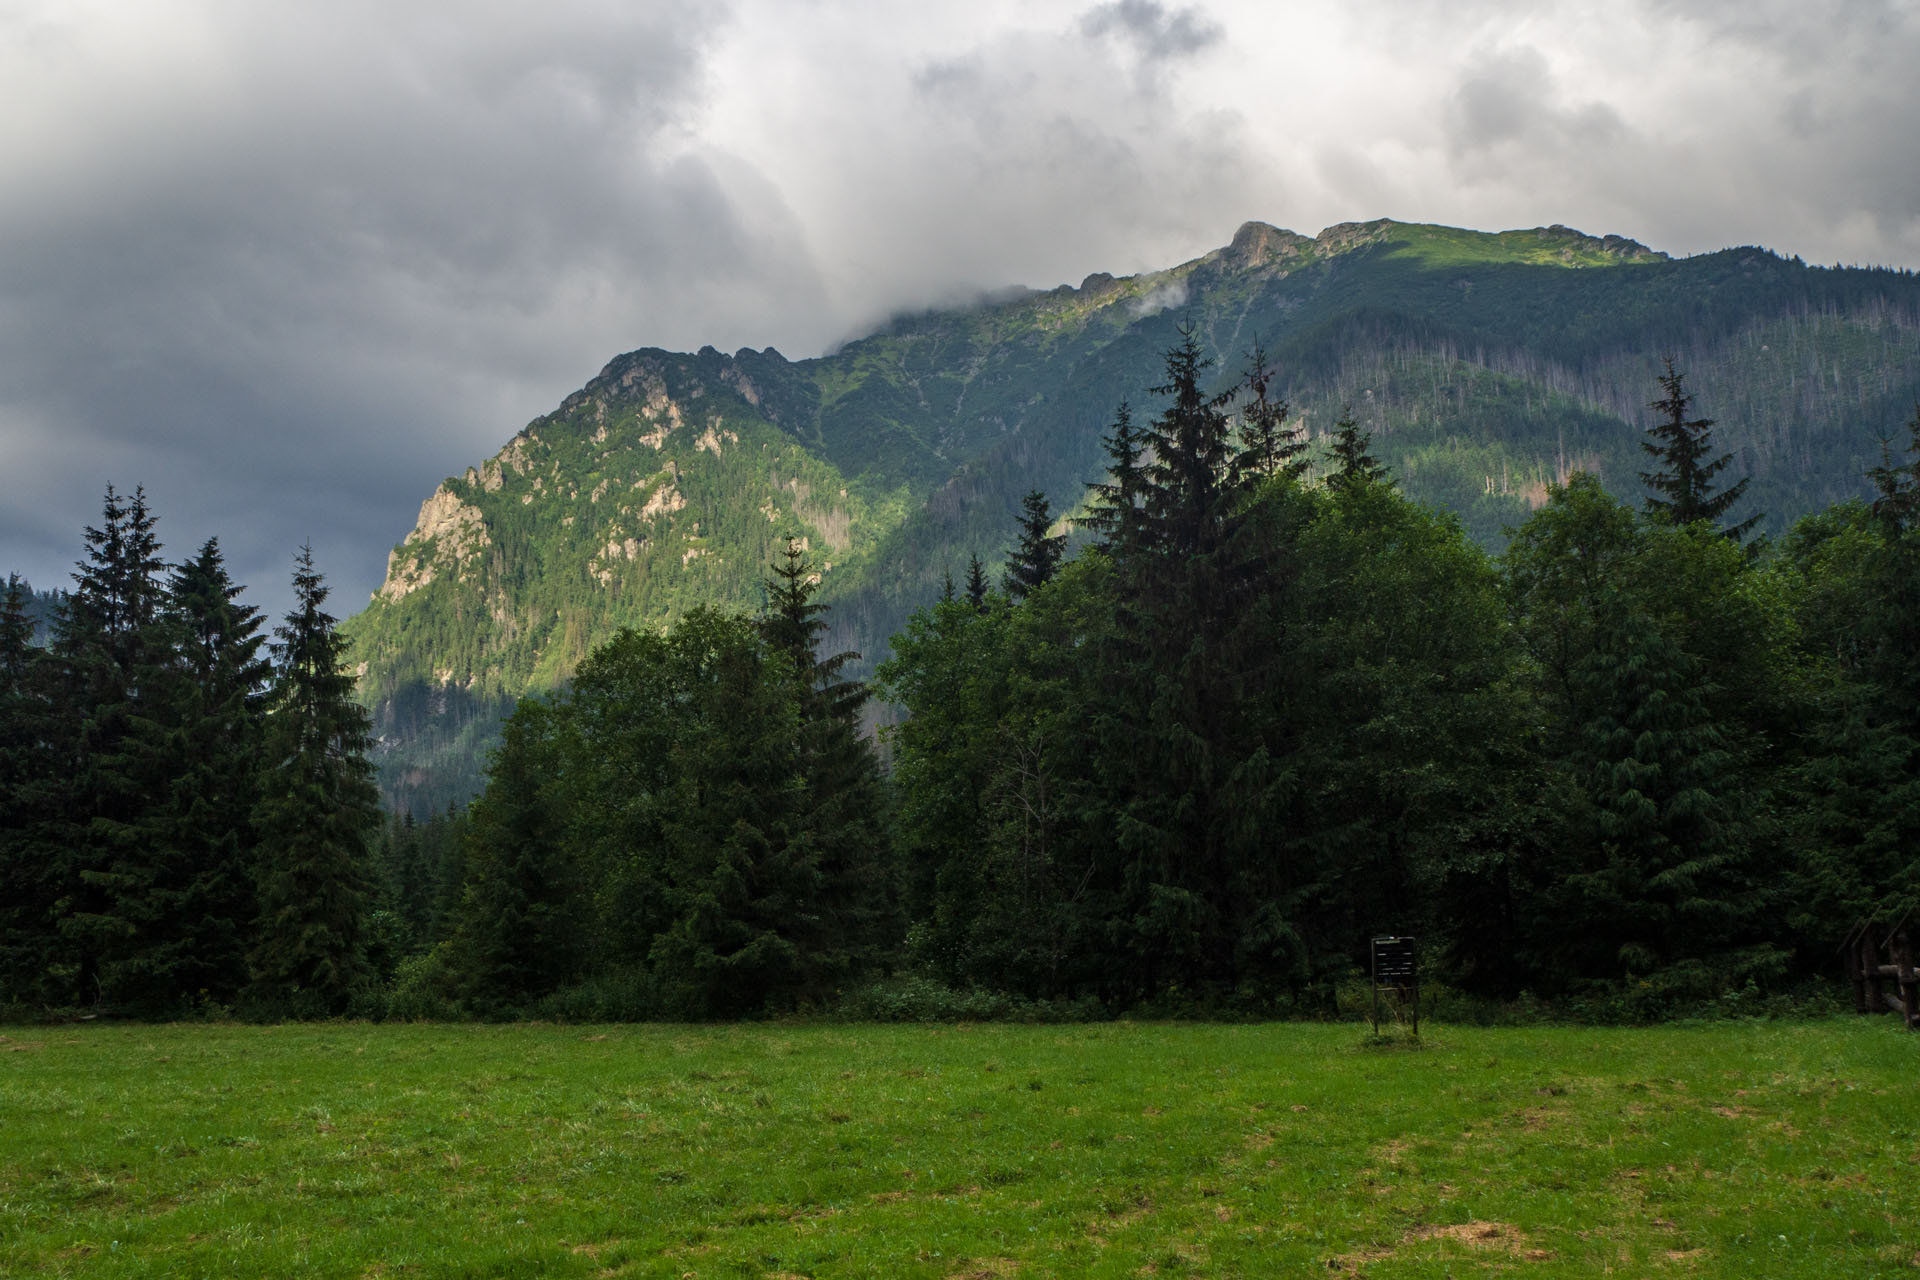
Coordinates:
<point>1487,366</point>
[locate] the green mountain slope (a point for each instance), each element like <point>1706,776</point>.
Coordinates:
<point>1487,365</point>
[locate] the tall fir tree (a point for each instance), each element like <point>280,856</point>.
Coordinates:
<point>207,850</point>
<point>1682,484</point>
<point>1184,508</point>
<point>317,813</point>
<point>1896,486</point>
<point>1035,558</point>
<point>1353,462</point>
<point>1269,445</point>
<point>113,647</point>
<point>1116,499</point>
<point>179,876</point>
<point>1169,722</point>
<point>522,917</point>
<point>1650,670</point>
<point>29,857</point>
<point>842,819</point>
<point>976,584</point>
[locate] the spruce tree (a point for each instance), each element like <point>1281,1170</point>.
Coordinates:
<point>1171,692</point>
<point>736,900</point>
<point>1683,483</point>
<point>794,624</point>
<point>117,689</point>
<point>1652,677</point>
<point>1036,557</point>
<point>1268,445</point>
<point>841,827</point>
<point>1116,500</point>
<point>29,886</point>
<point>522,928</point>
<point>976,584</point>
<point>317,812</point>
<point>1896,486</point>
<point>1184,507</point>
<point>407,882</point>
<point>1353,464</point>
<point>178,869</point>
<point>206,833</point>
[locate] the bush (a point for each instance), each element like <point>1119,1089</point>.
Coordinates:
<point>615,995</point>
<point>917,998</point>
<point>424,989</point>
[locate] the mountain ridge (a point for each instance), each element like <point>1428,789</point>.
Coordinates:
<point>1488,365</point>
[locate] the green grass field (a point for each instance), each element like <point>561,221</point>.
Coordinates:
<point>1734,1149</point>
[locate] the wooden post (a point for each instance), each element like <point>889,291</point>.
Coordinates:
<point>1869,962</point>
<point>1909,981</point>
<point>1856,971</point>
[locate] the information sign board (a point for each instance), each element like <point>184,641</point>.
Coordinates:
<point>1396,974</point>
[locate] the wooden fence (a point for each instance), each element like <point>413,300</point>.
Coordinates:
<point>1881,967</point>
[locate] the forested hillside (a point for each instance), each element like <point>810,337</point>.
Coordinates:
<point>1486,368</point>
<point>39,608</point>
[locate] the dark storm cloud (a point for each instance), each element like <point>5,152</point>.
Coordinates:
<point>292,291</point>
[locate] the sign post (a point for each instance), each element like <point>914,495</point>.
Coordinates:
<point>1396,973</point>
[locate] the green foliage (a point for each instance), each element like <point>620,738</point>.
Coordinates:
<point>1203,762</point>
<point>316,816</point>
<point>1682,485</point>
<point>694,828</point>
<point>522,917</point>
<point>111,766</point>
<point>1657,657</point>
<point>1352,464</point>
<point>1036,556</point>
<point>1853,792</point>
<point>988,771</point>
<point>29,795</point>
<point>185,888</point>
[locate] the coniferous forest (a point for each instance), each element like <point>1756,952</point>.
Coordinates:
<point>1186,756</point>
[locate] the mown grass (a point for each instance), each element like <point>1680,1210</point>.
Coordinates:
<point>1735,1149</point>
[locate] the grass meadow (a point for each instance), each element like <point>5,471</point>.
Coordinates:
<point>1750,1149</point>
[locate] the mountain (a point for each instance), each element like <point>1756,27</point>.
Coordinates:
<point>1486,365</point>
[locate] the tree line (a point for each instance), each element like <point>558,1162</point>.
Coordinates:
<point>184,803</point>
<point>1259,720</point>
<point>1189,753</point>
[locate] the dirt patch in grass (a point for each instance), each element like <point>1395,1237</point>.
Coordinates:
<point>1476,1235</point>
<point>1354,1262</point>
<point>1534,1119</point>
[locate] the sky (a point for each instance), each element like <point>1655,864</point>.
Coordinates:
<point>287,266</point>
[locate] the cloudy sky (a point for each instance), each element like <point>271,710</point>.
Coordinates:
<point>287,265</point>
